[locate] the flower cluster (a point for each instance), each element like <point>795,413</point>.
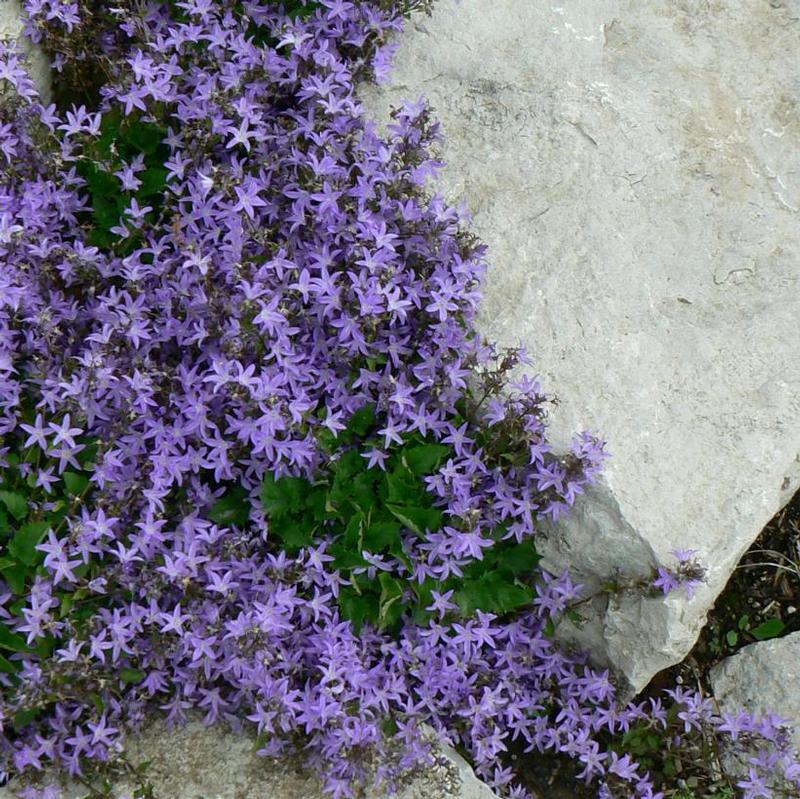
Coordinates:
<point>210,270</point>
<point>688,574</point>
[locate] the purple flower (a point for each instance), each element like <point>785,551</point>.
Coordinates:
<point>666,581</point>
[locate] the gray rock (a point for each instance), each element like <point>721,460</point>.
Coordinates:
<point>762,678</point>
<point>38,63</point>
<point>198,762</point>
<point>635,171</point>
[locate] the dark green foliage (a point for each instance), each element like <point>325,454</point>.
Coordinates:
<point>233,508</point>
<point>27,514</point>
<point>24,542</point>
<point>122,139</point>
<point>15,503</point>
<point>75,483</point>
<point>425,458</point>
<point>366,510</point>
<point>496,591</point>
<point>131,676</point>
<point>297,9</point>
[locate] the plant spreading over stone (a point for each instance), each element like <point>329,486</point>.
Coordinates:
<point>257,460</point>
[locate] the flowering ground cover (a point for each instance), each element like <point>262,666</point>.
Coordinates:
<point>256,458</point>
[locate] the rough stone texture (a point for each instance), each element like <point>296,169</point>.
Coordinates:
<point>198,762</point>
<point>635,170</point>
<point>762,678</point>
<point>10,28</point>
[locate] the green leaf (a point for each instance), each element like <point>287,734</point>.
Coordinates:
<point>153,180</point>
<point>101,238</point>
<point>109,130</point>
<point>362,421</point>
<point>12,641</point>
<point>100,182</point>
<point>353,537</point>
<point>346,467</point>
<point>326,440</point>
<point>44,646</point>
<point>768,629</point>
<point>25,717</point>
<point>7,666</point>
<point>23,544</point>
<point>316,502</point>
<point>744,622</point>
<point>131,676</point>
<point>424,590</point>
<point>391,607</point>
<point>76,483</point>
<point>357,608</point>
<point>106,211</point>
<point>88,456</point>
<point>67,603</point>
<point>417,519</point>
<point>425,458</point>
<point>284,496</point>
<point>732,637</point>
<point>421,616</point>
<point>492,592</point>
<point>510,596</point>
<point>346,558</point>
<point>16,504</point>
<point>15,576</point>
<point>362,490</point>
<point>518,559</point>
<point>144,136</point>
<point>97,701</point>
<point>382,534</point>
<point>295,533</point>
<point>301,10</point>
<point>352,484</point>
<point>233,508</point>
<point>403,488</point>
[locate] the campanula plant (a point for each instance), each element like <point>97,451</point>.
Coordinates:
<point>317,490</point>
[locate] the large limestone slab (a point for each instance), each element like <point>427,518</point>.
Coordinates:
<point>199,762</point>
<point>635,170</point>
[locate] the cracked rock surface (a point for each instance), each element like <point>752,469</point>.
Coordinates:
<point>635,170</point>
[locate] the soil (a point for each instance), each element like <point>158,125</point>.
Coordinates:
<point>764,587</point>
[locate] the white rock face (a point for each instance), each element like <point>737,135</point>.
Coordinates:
<point>635,171</point>
<point>11,28</point>
<point>762,678</point>
<point>198,762</point>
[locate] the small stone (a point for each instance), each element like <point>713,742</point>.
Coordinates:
<point>762,678</point>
